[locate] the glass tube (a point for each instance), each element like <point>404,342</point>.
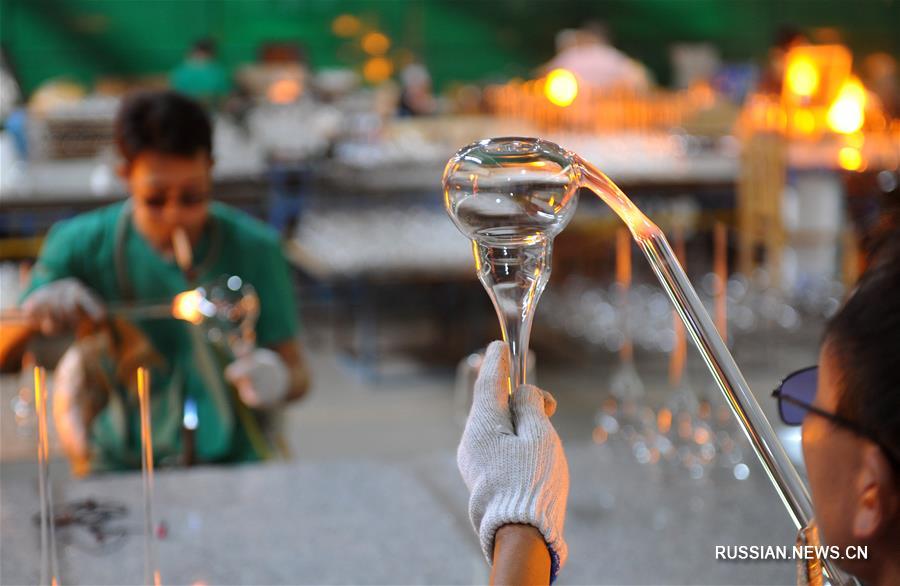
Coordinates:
<point>49,560</point>
<point>151,567</point>
<point>728,377</point>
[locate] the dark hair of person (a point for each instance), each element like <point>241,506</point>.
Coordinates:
<point>864,338</point>
<point>162,121</point>
<point>205,46</point>
<point>786,36</point>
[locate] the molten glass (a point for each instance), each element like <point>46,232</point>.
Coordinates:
<point>227,308</point>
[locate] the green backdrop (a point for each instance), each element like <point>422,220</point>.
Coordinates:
<point>458,39</point>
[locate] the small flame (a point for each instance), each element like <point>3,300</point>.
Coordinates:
<point>850,158</point>
<point>804,121</point>
<point>848,112</point>
<point>802,76</point>
<point>186,306</point>
<point>561,87</point>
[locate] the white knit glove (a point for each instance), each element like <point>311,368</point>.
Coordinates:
<point>519,477</point>
<point>261,378</point>
<point>61,304</point>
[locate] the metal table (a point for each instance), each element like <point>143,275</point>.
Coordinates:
<point>399,522</point>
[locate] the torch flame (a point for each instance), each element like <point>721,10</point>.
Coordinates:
<point>561,87</point>
<point>802,76</point>
<point>186,306</point>
<point>848,112</point>
<point>850,158</point>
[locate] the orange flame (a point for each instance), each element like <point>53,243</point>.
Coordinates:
<point>561,87</point>
<point>802,76</point>
<point>186,306</point>
<point>848,112</point>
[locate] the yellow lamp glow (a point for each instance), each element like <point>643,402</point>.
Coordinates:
<point>804,121</point>
<point>375,43</point>
<point>850,158</point>
<point>345,25</point>
<point>802,77</point>
<point>377,69</point>
<point>561,87</point>
<point>848,112</point>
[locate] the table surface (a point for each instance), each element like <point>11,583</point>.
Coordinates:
<point>397,522</point>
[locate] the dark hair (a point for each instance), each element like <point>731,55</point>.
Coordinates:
<point>162,121</point>
<point>207,46</point>
<point>864,338</point>
<point>787,35</point>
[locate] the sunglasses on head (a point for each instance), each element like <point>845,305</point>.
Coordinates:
<point>796,395</point>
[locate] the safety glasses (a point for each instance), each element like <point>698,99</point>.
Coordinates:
<point>796,395</point>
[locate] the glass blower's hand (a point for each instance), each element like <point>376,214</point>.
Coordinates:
<point>60,305</point>
<point>514,477</point>
<point>261,378</point>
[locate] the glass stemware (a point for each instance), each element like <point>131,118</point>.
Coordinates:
<point>511,197</point>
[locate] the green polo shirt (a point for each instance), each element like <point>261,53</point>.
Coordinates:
<point>202,80</point>
<point>105,252</point>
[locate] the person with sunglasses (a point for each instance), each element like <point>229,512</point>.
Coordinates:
<point>849,407</point>
<point>169,236</point>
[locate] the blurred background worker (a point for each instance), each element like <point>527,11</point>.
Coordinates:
<point>416,94</point>
<point>590,55</point>
<point>201,76</point>
<point>166,238</point>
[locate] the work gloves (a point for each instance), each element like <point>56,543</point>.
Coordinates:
<point>261,378</point>
<point>514,475</point>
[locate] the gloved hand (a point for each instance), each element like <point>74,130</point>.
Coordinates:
<point>519,477</point>
<point>261,378</point>
<point>59,305</point>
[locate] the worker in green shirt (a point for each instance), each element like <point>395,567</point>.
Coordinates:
<point>200,75</point>
<point>125,253</point>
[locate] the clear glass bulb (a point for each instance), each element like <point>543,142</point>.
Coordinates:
<point>229,309</point>
<point>512,196</point>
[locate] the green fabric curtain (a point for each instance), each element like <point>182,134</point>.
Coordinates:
<point>458,39</point>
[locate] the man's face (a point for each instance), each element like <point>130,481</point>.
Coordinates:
<point>169,192</point>
<point>832,456</point>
